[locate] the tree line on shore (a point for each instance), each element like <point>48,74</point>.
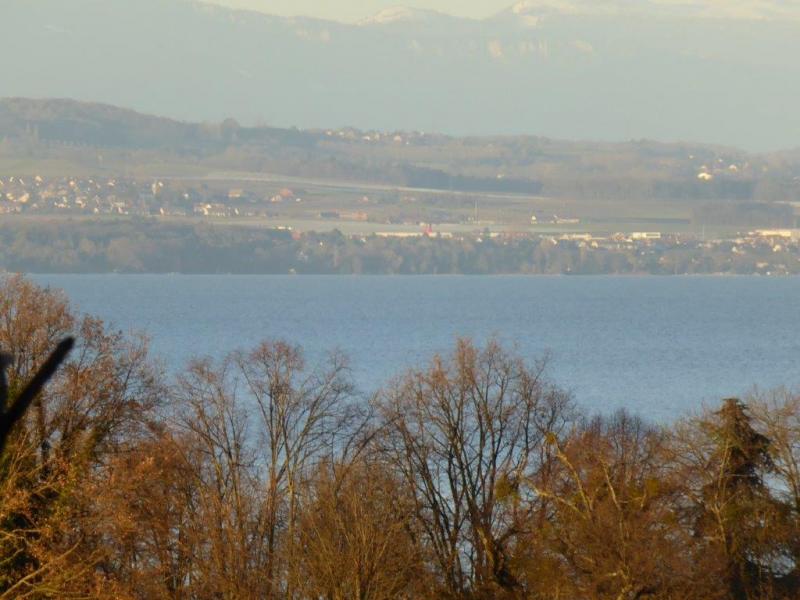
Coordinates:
<point>474,477</point>
<point>148,247</point>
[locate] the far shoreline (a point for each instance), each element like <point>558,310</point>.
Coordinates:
<point>403,275</point>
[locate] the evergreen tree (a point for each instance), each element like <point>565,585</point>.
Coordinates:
<point>738,509</point>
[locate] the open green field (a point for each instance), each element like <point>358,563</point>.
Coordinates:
<point>350,227</point>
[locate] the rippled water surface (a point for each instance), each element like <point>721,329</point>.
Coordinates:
<point>659,346</point>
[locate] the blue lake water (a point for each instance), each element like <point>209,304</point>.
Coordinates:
<point>658,346</point>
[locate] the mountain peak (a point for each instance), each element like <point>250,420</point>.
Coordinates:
<point>526,7</point>
<point>401,14</point>
<point>757,10</point>
<point>530,13</point>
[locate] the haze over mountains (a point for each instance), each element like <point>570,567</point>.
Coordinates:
<point>713,72</point>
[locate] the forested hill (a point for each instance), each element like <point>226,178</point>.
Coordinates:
<point>101,125</point>
<point>72,132</point>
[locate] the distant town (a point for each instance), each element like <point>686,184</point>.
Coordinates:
<point>566,248</point>
<point>94,188</point>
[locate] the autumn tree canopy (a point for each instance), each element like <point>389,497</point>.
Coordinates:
<point>260,475</point>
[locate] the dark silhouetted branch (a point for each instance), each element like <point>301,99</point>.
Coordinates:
<point>12,414</point>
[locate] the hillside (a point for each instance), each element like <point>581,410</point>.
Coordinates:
<point>92,124</point>
<point>99,137</point>
<point>103,125</point>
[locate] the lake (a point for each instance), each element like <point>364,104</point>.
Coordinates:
<point>658,346</point>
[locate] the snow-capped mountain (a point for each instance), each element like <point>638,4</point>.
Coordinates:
<point>415,21</point>
<point>748,10</point>
<point>402,14</point>
<point>713,70</point>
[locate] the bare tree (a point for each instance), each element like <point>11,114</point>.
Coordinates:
<point>357,537</point>
<point>305,414</point>
<point>777,415</point>
<point>466,435</point>
<point>260,423</point>
<point>147,519</point>
<point>222,455</point>
<point>610,531</point>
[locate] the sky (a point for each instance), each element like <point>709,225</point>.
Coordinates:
<point>355,10</point>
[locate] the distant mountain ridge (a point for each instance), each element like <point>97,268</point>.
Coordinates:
<point>101,125</point>
<point>704,9</point>
<point>572,69</point>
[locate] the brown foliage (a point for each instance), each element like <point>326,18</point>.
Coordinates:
<point>357,537</point>
<point>259,476</point>
<point>102,398</point>
<point>611,530</point>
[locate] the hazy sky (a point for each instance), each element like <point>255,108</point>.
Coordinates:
<point>354,10</point>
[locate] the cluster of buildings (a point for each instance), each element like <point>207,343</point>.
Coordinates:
<point>36,194</point>
<point>710,170</point>
<point>131,197</point>
<point>351,134</point>
<point>553,220</point>
<point>774,239</point>
<point>124,196</point>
